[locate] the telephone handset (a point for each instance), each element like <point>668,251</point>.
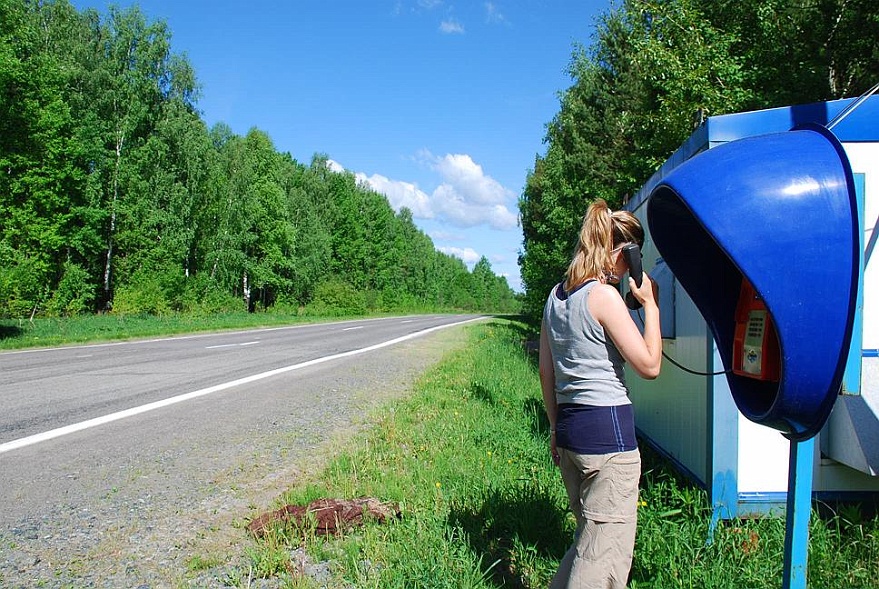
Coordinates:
<point>632,256</point>
<point>755,348</point>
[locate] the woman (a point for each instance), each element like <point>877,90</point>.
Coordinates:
<point>586,336</point>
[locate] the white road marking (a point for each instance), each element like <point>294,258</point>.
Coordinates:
<point>90,423</point>
<point>230,345</point>
<point>352,328</point>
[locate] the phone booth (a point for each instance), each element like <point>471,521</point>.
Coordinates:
<point>763,235</point>
<point>773,268</point>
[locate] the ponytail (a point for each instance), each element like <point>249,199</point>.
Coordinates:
<point>601,231</point>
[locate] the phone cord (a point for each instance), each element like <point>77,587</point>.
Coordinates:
<point>681,366</point>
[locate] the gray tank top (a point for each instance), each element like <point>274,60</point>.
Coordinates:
<point>588,366</point>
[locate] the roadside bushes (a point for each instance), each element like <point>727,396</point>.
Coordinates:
<point>335,298</point>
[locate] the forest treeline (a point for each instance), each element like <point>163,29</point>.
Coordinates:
<point>653,71</point>
<point>114,194</point>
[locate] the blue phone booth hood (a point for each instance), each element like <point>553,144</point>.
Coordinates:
<point>779,210</point>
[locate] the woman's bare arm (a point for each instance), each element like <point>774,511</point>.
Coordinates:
<point>642,352</point>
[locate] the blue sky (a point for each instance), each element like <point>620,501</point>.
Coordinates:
<point>440,105</point>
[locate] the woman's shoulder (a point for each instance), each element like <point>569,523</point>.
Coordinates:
<point>602,289</point>
<point>604,298</point>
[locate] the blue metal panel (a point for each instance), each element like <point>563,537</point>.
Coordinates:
<point>724,444</point>
<point>851,379</point>
<point>756,503</point>
<point>862,125</point>
<point>679,466</point>
<point>665,280</point>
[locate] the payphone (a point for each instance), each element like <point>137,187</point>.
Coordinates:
<point>755,345</point>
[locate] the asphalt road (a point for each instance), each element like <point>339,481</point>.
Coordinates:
<point>91,435</point>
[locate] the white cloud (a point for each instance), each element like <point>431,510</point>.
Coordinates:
<point>466,196</point>
<point>449,204</point>
<point>335,166</point>
<point>469,197</point>
<point>467,178</point>
<point>451,27</point>
<point>400,194</point>
<point>446,236</point>
<point>468,255</point>
<point>493,14</point>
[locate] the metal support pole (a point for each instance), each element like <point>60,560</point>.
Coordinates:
<point>799,509</point>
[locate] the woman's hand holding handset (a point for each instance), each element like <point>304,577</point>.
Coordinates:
<point>647,291</point>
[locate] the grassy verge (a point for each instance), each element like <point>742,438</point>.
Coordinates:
<point>482,506</point>
<point>41,332</point>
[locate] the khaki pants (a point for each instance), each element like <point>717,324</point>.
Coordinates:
<point>603,494</point>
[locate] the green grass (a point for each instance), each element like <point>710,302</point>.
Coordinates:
<point>201,563</point>
<point>466,457</point>
<point>41,332</point>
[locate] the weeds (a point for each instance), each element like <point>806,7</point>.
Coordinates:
<point>198,562</point>
<point>466,458</point>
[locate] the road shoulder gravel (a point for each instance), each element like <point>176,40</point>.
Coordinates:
<point>186,528</point>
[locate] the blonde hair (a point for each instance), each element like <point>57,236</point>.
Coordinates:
<point>602,231</point>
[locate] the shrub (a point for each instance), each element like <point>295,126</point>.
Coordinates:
<point>336,298</point>
<point>143,296</point>
<point>74,295</point>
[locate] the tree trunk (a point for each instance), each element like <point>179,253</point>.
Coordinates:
<point>120,140</point>
<point>246,288</point>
